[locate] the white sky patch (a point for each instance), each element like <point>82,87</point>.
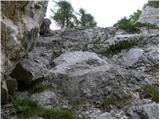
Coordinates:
<point>105,12</point>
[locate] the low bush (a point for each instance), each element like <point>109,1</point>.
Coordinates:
<point>116,48</point>
<point>127,25</point>
<point>147,25</point>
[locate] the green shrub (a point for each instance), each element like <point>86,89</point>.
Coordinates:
<point>40,87</point>
<point>152,92</point>
<point>147,25</point>
<point>114,101</point>
<point>116,48</point>
<point>58,114</point>
<point>127,25</point>
<point>154,4</point>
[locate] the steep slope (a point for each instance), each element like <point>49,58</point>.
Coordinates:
<point>91,73</point>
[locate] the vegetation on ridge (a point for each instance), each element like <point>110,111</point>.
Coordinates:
<point>116,48</point>
<point>127,25</point>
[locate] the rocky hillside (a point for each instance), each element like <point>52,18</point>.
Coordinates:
<point>97,73</point>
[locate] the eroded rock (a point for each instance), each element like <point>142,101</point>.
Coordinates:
<point>45,27</point>
<point>150,15</point>
<point>146,111</point>
<point>131,57</point>
<point>84,74</point>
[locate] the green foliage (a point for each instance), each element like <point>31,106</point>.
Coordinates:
<point>26,108</point>
<point>147,25</point>
<point>86,20</point>
<point>116,48</point>
<point>152,92</point>
<point>127,25</point>
<point>114,101</point>
<point>76,102</point>
<point>135,16</point>
<point>154,3</point>
<point>41,87</point>
<point>64,14</point>
<point>58,114</point>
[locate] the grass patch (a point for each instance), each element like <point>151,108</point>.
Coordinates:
<point>151,92</point>
<point>113,101</point>
<point>39,87</point>
<point>58,114</point>
<point>76,102</point>
<point>26,108</point>
<point>116,48</point>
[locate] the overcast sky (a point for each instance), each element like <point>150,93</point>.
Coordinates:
<point>105,12</point>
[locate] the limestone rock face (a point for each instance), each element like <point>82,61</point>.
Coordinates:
<point>20,22</point>
<point>150,15</point>
<point>20,25</point>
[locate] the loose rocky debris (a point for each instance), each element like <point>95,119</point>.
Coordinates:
<point>97,73</point>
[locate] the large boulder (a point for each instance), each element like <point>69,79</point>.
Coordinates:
<point>32,68</point>
<point>84,74</point>
<point>131,57</point>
